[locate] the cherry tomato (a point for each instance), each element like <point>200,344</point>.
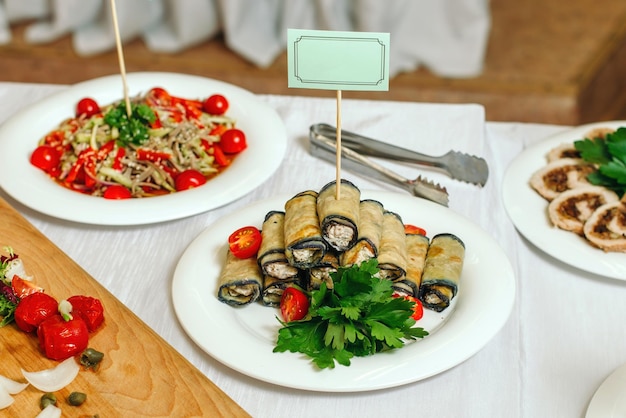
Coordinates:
<point>60,339</point>
<point>23,288</point>
<point>294,304</point>
<point>87,107</point>
<point>189,179</point>
<point>233,141</point>
<point>45,157</point>
<point>33,309</point>
<point>215,104</point>
<point>117,192</point>
<point>412,229</point>
<point>160,96</point>
<point>89,309</point>
<point>418,308</point>
<point>245,242</point>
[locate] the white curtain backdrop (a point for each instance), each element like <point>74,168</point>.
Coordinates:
<point>448,37</point>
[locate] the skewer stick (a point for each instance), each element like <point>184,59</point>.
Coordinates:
<point>120,57</point>
<point>338,152</point>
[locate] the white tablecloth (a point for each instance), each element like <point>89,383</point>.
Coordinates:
<point>564,337</point>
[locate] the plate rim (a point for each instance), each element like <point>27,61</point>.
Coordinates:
<point>475,340</point>
<point>517,195</point>
<point>41,194</point>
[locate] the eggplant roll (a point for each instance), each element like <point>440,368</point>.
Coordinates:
<point>339,218</point>
<point>304,245</point>
<point>321,272</point>
<point>417,247</point>
<point>240,281</point>
<point>392,254</point>
<point>370,232</point>
<point>271,255</point>
<point>442,271</point>
<point>273,289</point>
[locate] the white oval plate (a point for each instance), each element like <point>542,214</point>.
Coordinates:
<point>243,338</point>
<point>609,400</point>
<point>265,131</point>
<point>529,211</point>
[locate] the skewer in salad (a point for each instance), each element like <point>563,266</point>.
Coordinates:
<point>167,144</point>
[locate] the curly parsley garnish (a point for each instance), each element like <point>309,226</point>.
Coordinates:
<point>133,130</point>
<point>609,154</point>
<point>358,317</point>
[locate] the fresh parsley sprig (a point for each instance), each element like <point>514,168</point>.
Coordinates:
<point>358,317</point>
<point>609,154</point>
<point>133,130</point>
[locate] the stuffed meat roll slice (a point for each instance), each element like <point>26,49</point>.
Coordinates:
<point>271,256</point>
<point>320,273</point>
<point>240,281</point>
<point>442,271</point>
<point>273,289</point>
<point>370,232</point>
<point>417,247</point>
<point>606,228</point>
<point>304,245</point>
<point>561,175</point>
<point>339,218</point>
<point>392,254</point>
<point>571,209</point>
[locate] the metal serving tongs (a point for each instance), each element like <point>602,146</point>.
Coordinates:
<point>326,149</point>
<point>457,165</point>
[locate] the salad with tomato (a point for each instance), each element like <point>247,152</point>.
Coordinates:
<point>62,327</point>
<point>153,145</point>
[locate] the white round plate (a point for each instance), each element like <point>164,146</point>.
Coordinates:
<point>609,400</point>
<point>243,338</point>
<point>529,211</point>
<point>265,131</point>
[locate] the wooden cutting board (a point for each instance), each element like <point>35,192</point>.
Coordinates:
<point>141,374</point>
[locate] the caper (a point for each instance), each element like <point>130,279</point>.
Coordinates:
<point>47,399</point>
<point>76,398</point>
<point>91,358</point>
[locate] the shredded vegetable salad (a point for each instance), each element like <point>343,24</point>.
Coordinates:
<point>166,144</point>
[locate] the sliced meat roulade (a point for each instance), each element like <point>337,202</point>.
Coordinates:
<point>561,175</point>
<point>571,209</point>
<point>606,228</point>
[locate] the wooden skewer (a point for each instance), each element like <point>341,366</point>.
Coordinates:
<point>338,152</point>
<point>120,57</point>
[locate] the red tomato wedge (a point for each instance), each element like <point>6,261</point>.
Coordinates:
<point>294,304</point>
<point>418,308</point>
<point>60,339</point>
<point>412,229</point>
<point>34,309</point>
<point>89,309</point>
<point>245,242</point>
<point>23,288</point>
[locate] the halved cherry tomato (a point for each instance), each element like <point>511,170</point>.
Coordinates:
<point>189,179</point>
<point>23,288</point>
<point>45,157</point>
<point>215,104</point>
<point>233,141</point>
<point>87,107</point>
<point>33,309</point>
<point>117,192</point>
<point>89,309</point>
<point>294,304</point>
<point>245,242</point>
<point>418,308</point>
<point>60,339</point>
<point>412,229</point>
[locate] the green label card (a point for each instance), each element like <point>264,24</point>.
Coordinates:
<point>334,60</point>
